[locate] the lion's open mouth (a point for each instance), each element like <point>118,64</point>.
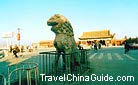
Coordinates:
<point>52,23</point>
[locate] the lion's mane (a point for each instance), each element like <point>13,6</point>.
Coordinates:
<point>64,40</point>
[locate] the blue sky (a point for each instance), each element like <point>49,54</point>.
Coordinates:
<point>119,16</point>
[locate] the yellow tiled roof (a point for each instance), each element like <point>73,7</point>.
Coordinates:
<point>96,34</point>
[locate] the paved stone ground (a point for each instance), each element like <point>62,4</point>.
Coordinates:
<point>114,62</point>
<point>110,62</point>
<point>107,61</point>
<point>10,59</point>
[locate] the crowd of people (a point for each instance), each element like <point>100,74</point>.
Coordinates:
<point>95,45</point>
<point>16,49</point>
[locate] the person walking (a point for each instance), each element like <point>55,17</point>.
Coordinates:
<point>10,49</point>
<point>99,45</point>
<point>80,47</point>
<point>16,50</point>
<point>126,47</point>
<point>22,48</point>
<point>95,46</point>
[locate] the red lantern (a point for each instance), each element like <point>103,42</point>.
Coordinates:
<point>18,37</point>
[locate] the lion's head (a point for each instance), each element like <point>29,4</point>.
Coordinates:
<point>60,25</point>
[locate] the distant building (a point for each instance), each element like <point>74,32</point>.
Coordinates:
<point>46,43</point>
<point>102,36</point>
<point>117,42</point>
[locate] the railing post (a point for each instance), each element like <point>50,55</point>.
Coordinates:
<point>29,68</point>
<point>4,79</point>
<point>28,77</point>
<point>49,63</point>
<point>20,77</point>
<point>36,76</point>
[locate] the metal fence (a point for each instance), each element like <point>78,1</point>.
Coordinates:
<point>26,73</point>
<point>47,60</point>
<point>2,79</point>
<point>23,74</point>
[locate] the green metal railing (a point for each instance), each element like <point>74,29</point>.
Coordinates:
<point>46,60</point>
<point>2,79</point>
<point>23,74</point>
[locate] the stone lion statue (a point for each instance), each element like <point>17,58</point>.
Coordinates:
<point>64,40</point>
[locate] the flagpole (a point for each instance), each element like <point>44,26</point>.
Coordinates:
<point>18,36</point>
